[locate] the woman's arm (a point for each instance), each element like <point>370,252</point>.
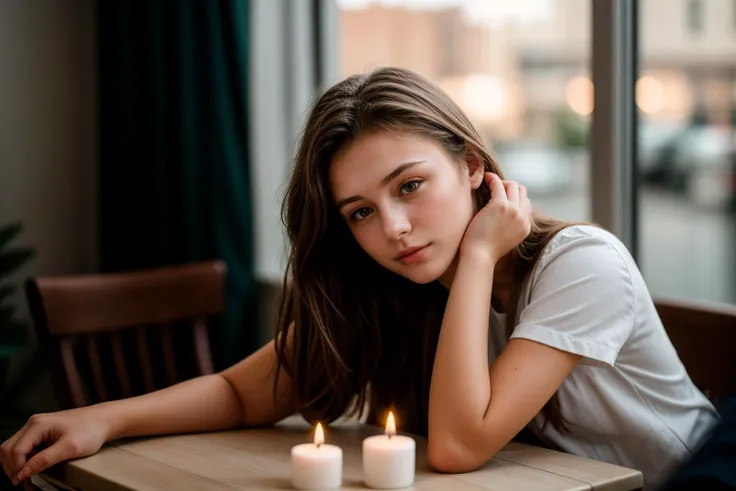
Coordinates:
<point>474,411</point>
<point>240,396</point>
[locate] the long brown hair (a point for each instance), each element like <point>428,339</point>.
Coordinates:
<point>358,332</point>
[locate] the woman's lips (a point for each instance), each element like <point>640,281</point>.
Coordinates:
<point>413,255</point>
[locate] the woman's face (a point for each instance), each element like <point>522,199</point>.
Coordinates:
<point>405,200</point>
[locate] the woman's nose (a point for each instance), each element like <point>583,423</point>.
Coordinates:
<point>395,224</point>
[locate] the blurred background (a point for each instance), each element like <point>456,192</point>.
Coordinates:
<point>521,70</point>
<point>134,135</point>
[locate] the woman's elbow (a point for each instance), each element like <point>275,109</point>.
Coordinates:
<point>453,458</point>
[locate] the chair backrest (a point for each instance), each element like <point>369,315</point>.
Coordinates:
<point>122,334</point>
<point>704,336</point>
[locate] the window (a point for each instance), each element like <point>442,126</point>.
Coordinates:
<point>695,16</point>
<point>687,156</point>
<point>520,70</point>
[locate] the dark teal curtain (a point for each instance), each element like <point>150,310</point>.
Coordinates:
<point>174,177</point>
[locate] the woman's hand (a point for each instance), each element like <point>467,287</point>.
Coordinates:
<point>502,224</point>
<point>47,439</point>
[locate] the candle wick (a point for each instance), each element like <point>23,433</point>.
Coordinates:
<point>318,445</point>
<point>390,435</point>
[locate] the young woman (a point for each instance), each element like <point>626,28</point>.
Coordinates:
<point>420,280</point>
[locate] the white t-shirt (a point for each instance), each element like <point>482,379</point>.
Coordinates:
<point>630,401</point>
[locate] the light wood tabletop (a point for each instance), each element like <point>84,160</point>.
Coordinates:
<point>259,459</point>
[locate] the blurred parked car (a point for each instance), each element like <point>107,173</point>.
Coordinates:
<point>655,141</point>
<point>705,158</point>
<point>698,162</point>
<point>540,165</point>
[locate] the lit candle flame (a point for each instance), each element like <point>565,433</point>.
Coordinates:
<point>390,425</point>
<point>319,435</point>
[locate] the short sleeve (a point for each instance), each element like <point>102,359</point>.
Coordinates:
<point>581,301</point>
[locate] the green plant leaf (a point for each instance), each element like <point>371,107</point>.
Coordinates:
<point>11,260</point>
<point>6,351</point>
<point>8,232</point>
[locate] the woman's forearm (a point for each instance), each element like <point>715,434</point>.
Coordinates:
<point>460,390</point>
<point>205,403</point>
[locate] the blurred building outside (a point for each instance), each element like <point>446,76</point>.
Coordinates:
<point>521,71</point>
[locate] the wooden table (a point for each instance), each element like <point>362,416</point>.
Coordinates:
<point>260,460</point>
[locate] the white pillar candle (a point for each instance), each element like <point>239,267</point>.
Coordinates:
<point>389,459</point>
<point>316,465</point>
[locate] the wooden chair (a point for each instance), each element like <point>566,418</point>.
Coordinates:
<point>111,336</point>
<point>704,336</point>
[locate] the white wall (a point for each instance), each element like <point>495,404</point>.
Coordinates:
<point>48,130</point>
<point>48,134</point>
<point>281,91</point>
<point>48,139</point>
<point>270,133</point>
<point>666,36</point>
<point>48,125</point>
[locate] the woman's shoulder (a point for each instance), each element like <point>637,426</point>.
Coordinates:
<point>586,243</point>
<point>584,258</point>
<point>582,296</point>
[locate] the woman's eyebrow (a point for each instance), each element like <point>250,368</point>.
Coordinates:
<point>390,177</point>
<point>399,170</point>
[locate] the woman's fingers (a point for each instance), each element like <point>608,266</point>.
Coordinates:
<point>5,455</point>
<point>526,204</point>
<point>512,191</point>
<point>497,189</point>
<point>9,456</point>
<point>7,468</point>
<point>524,198</point>
<point>61,450</point>
<point>31,438</point>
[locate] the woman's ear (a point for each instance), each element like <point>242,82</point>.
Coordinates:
<point>476,170</point>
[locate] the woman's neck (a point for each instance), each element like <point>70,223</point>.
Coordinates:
<point>503,281</point>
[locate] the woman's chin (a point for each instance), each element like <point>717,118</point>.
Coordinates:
<point>422,280</point>
<point>423,274</point>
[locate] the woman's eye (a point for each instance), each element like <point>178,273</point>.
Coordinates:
<point>410,186</point>
<point>360,213</point>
